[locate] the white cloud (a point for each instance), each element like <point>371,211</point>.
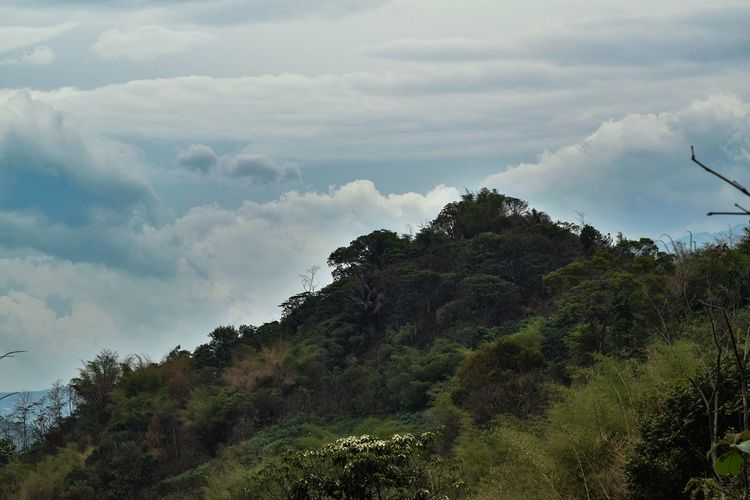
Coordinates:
<point>17,37</point>
<point>234,266</point>
<point>635,174</point>
<point>708,36</point>
<point>81,245</point>
<point>52,341</point>
<point>214,12</point>
<point>38,56</point>
<point>144,43</point>
<point>269,242</point>
<point>425,113</point>
<point>444,49</point>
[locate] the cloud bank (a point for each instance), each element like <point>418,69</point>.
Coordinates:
<point>18,37</point>
<point>69,194</point>
<point>233,266</point>
<point>635,174</point>
<point>145,43</point>
<point>40,55</point>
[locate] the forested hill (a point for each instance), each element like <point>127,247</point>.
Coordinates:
<point>494,354</point>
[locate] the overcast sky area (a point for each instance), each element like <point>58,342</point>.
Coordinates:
<point>170,166</point>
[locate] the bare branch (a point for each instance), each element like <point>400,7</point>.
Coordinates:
<point>711,171</point>
<point>10,354</point>
<point>308,279</point>
<point>742,189</point>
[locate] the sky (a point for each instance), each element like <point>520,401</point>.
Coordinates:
<point>169,166</point>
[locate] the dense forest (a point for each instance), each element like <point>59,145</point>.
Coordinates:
<point>493,354</point>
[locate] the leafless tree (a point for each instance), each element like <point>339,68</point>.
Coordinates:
<point>55,403</point>
<point>72,398</point>
<point>308,279</point>
<point>22,413</point>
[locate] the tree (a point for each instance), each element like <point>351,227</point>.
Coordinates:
<point>56,400</point>
<point>503,376</point>
<point>7,450</point>
<point>97,379</point>
<point>217,353</point>
<point>22,414</point>
<point>308,279</point>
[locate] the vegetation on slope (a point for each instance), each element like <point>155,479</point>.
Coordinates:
<point>494,354</point>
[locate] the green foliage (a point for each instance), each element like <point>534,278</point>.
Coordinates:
<point>211,417</point>
<point>356,467</point>
<point>217,353</point>
<point>675,439</point>
<point>118,470</point>
<point>188,481</point>
<point>503,376</point>
<point>40,480</point>
<point>374,250</point>
<point>97,380</point>
<point>7,450</point>
<point>583,440</point>
<point>415,373</point>
<point>546,360</point>
<point>486,210</point>
<point>603,304</point>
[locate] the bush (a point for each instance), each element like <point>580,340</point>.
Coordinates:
<point>503,376</point>
<point>356,467</point>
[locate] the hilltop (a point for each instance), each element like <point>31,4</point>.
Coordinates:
<point>494,354</point>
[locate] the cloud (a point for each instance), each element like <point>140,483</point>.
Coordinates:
<point>75,196</point>
<point>216,12</point>
<point>425,114</point>
<point>144,43</point>
<point>258,169</point>
<point>488,111</point>
<point>294,231</point>
<point>49,339</point>
<point>444,49</point>
<point>713,35</point>
<point>233,266</point>
<point>16,37</point>
<point>48,166</point>
<point>197,157</point>
<point>233,11</point>
<point>40,55</point>
<point>635,174</point>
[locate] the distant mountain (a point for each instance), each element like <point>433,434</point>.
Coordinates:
<point>704,237</point>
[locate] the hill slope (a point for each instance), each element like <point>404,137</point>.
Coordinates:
<point>524,358</point>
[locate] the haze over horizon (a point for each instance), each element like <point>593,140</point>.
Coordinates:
<point>167,167</point>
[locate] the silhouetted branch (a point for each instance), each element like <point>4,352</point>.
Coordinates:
<point>732,183</point>
<point>10,354</point>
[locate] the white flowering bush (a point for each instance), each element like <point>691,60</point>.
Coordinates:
<point>403,466</point>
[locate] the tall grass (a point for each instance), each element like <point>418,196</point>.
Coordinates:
<point>579,448</point>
